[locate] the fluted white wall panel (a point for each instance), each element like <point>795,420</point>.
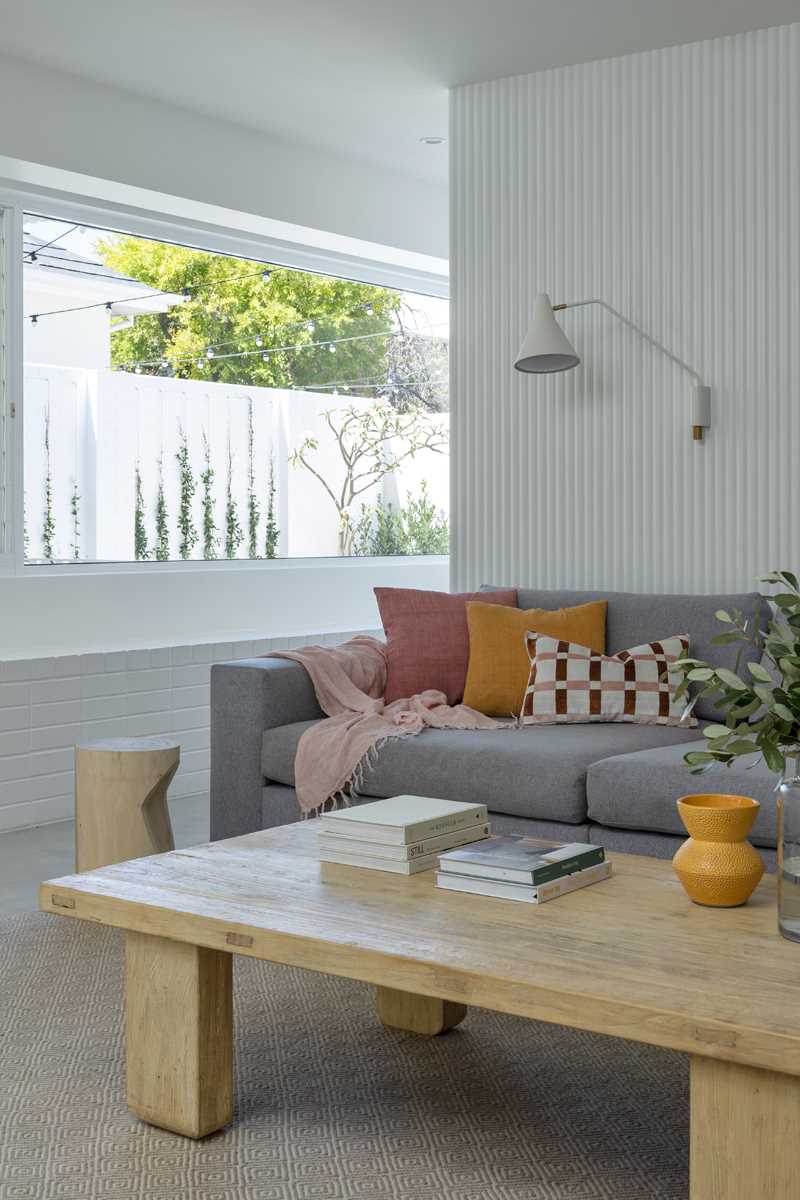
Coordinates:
<point>667,183</point>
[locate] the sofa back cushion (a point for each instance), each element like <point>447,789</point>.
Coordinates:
<point>427,640</point>
<point>636,617</point>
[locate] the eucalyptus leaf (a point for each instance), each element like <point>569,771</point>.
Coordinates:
<point>773,757</point>
<point>785,713</point>
<point>716,731</point>
<point>730,679</point>
<point>759,672</point>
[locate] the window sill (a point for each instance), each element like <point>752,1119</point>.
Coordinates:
<point>11,569</point>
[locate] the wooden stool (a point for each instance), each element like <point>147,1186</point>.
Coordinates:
<point>121,799</point>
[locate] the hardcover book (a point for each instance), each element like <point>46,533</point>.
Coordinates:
<point>338,843</point>
<point>503,890</point>
<point>402,820</point>
<point>397,866</point>
<point>521,859</point>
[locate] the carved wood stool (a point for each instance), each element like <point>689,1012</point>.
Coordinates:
<point>121,799</point>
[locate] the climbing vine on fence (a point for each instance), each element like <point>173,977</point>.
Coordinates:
<point>48,520</point>
<point>75,513</point>
<point>187,486</point>
<point>271,530</point>
<point>210,533</point>
<point>162,519</point>
<point>253,507</point>
<point>233,530</point>
<point>141,550</point>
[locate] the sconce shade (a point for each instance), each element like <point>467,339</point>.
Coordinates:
<point>546,347</point>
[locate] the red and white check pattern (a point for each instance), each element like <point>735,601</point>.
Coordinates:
<point>571,683</point>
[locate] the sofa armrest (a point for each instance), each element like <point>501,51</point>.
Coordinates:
<point>248,697</point>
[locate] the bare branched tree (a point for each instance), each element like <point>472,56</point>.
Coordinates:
<point>372,443</point>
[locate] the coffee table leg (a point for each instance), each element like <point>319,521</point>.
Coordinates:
<point>179,1026</point>
<point>418,1014</point>
<point>745,1132</point>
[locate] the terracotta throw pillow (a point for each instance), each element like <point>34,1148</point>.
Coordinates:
<point>427,642</point>
<point>498,654</point>
<point>571,683</point>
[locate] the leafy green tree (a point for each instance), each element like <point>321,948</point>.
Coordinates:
<point>233,530</point>
<point>210,536</point>
<point>141,551</point>
<point>229,305</point>
<point>187,486</point>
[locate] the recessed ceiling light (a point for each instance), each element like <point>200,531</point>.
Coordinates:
<point>432,141</point>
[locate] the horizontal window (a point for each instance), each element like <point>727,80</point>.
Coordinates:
<point>185,404</point>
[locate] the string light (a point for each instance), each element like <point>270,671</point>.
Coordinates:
<point>34,254</point>
<point>212,285</point>
<point>266,275</point>
<point>259,340</point>
<point>331,343</point>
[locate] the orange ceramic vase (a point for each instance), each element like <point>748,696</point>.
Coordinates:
<point>717,866</point>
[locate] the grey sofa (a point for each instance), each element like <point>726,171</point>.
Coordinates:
<point>612,784</point>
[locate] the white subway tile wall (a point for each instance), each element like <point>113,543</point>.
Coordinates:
<point>49,704</point>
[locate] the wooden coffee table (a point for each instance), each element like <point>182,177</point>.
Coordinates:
<point>631,957</point>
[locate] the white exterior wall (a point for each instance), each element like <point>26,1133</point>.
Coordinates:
<point>102,423</point>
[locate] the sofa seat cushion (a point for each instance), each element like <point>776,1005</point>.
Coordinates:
<point>640,790</point>
<point>529,772</point>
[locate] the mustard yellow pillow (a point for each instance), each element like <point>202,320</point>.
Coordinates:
<point>498,657</point>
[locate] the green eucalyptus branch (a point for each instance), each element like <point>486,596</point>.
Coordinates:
<point>761,708</point>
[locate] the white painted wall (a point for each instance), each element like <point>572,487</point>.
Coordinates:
<point>49,704</point>
<point>63,121</point>
<point>666,183</point>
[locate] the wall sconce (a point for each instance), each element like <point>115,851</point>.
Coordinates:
<point>547,349</point>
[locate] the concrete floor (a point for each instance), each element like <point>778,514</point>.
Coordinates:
<point>27,856</point>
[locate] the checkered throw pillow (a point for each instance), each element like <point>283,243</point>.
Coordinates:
<point>568,683</point>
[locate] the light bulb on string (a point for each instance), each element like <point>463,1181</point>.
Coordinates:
<point>209,353</point>
<point>265,276</point>
<point>138,369</point>
<point>332,349</point>
<point>201,362</point>
<point>311,326</point>
<point>259,340</point>
<point>108,306</point>
<point>265,357</point>
<point>34,319</point>
<point>369,310</point>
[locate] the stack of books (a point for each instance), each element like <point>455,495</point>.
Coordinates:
<point>522,868</point>
<point>404,834</point>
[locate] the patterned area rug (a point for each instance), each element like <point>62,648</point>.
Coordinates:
<point>330,1106</point>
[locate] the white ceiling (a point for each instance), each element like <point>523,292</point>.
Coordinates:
<point>361,78</point>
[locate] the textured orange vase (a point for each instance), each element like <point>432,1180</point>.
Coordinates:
<point>717,865</point>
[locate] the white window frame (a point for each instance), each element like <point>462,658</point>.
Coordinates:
<point>159,226</point>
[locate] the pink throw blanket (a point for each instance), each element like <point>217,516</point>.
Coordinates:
<point>349,681</point>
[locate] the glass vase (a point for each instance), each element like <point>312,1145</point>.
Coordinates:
<point>789,850</point>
